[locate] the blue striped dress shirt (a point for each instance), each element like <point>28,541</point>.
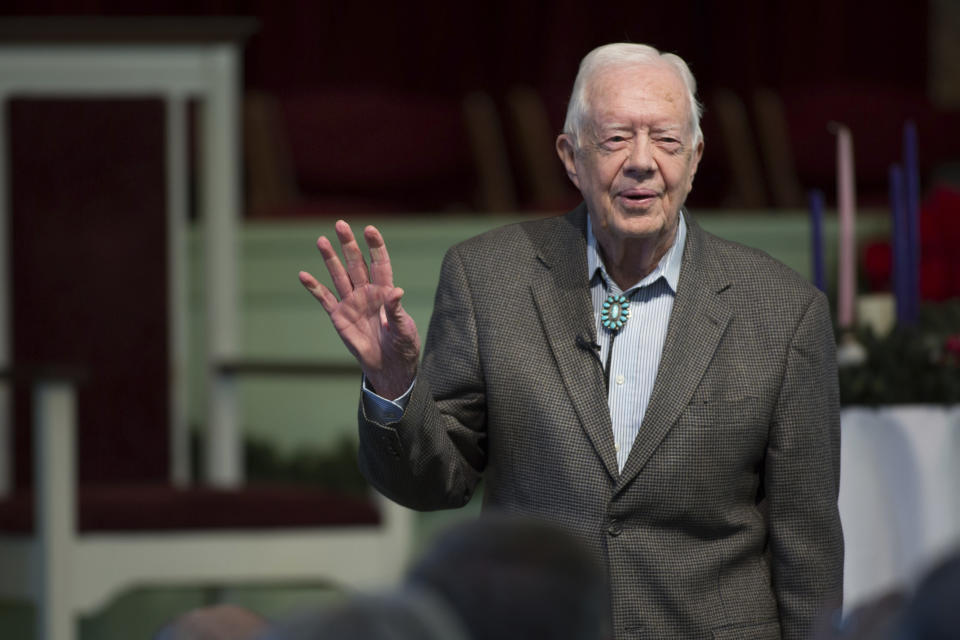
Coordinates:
<point>639,344</point>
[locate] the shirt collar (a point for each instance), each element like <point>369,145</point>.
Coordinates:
<point>668,267</point>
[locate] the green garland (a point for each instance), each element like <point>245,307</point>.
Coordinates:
<point>331,468</point>
<point>911,365</point>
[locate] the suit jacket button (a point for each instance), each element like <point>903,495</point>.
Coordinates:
<point>614,529</point>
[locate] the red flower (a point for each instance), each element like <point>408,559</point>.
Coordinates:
<point>952,345</point>
<point>940,237</point>
<point>878,265</point>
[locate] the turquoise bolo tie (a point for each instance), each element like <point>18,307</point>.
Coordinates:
<point>615,313</point>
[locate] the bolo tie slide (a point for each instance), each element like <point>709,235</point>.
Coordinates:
<point>616,312</point>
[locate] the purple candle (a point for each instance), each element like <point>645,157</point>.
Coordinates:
<point>899,242</point>
<point>815,199</point>
<point>911,199</point>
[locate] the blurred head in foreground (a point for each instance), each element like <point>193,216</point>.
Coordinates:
<point>218,622</point>
<point>510,577</point>
<point>406,614</point>
<point>498,577</point>
<point>934,611</point>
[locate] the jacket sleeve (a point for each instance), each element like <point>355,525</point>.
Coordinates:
<point>432,458</point>
<point>802,477</point>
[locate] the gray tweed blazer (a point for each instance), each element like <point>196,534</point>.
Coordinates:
<point>724,521</point>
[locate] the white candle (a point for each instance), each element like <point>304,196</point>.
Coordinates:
<point>847,251</point>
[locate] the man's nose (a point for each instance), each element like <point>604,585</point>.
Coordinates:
<point>641,156</point>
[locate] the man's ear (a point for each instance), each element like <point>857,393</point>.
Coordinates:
<point>697,154</point>
<point>567,152</point>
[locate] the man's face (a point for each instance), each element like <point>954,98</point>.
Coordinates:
<point>636,160</point>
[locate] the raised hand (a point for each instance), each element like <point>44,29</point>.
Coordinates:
<point>368,315</point>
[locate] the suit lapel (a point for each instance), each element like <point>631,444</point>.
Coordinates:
<point>562,296</point>
<point>697,323</point>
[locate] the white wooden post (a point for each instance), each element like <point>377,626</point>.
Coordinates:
<point>221,198</point>
<point>178,296</point>
<point>55,507</point>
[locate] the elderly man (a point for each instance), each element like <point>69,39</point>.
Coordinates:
<point>669,396</point>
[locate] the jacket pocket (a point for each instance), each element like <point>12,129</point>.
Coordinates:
<point>760,631</point>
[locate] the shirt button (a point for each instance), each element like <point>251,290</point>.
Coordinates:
<point>620,379</point>
<point>616,447</point>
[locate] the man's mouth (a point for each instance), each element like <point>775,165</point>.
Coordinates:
<point>638,196</point>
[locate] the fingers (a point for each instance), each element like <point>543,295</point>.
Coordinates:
<point>381,272</point>
<point>341,281</point>
<point>356,265</point>
<point>320,292</point>
<point>355,274</point>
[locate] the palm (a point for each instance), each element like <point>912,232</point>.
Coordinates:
<point>360,321</point>
<point>368,315</point>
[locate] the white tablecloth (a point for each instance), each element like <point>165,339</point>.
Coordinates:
<point>899,495</point>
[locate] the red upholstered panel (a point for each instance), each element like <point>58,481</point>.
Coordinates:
<point>89,260</point>
<point>162,508</point>
<point>386,151</point>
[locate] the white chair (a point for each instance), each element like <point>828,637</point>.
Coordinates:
<point>68,573</point>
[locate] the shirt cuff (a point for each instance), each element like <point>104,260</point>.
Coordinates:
<point>381,410</point>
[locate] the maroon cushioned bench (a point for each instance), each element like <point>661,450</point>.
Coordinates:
<point>341,152</point>
<point>163,508</point>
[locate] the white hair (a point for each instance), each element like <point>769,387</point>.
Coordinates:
<point>625,54</point>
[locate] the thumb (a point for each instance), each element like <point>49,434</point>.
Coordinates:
<point>402,328</point>
<point>392,305</point>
